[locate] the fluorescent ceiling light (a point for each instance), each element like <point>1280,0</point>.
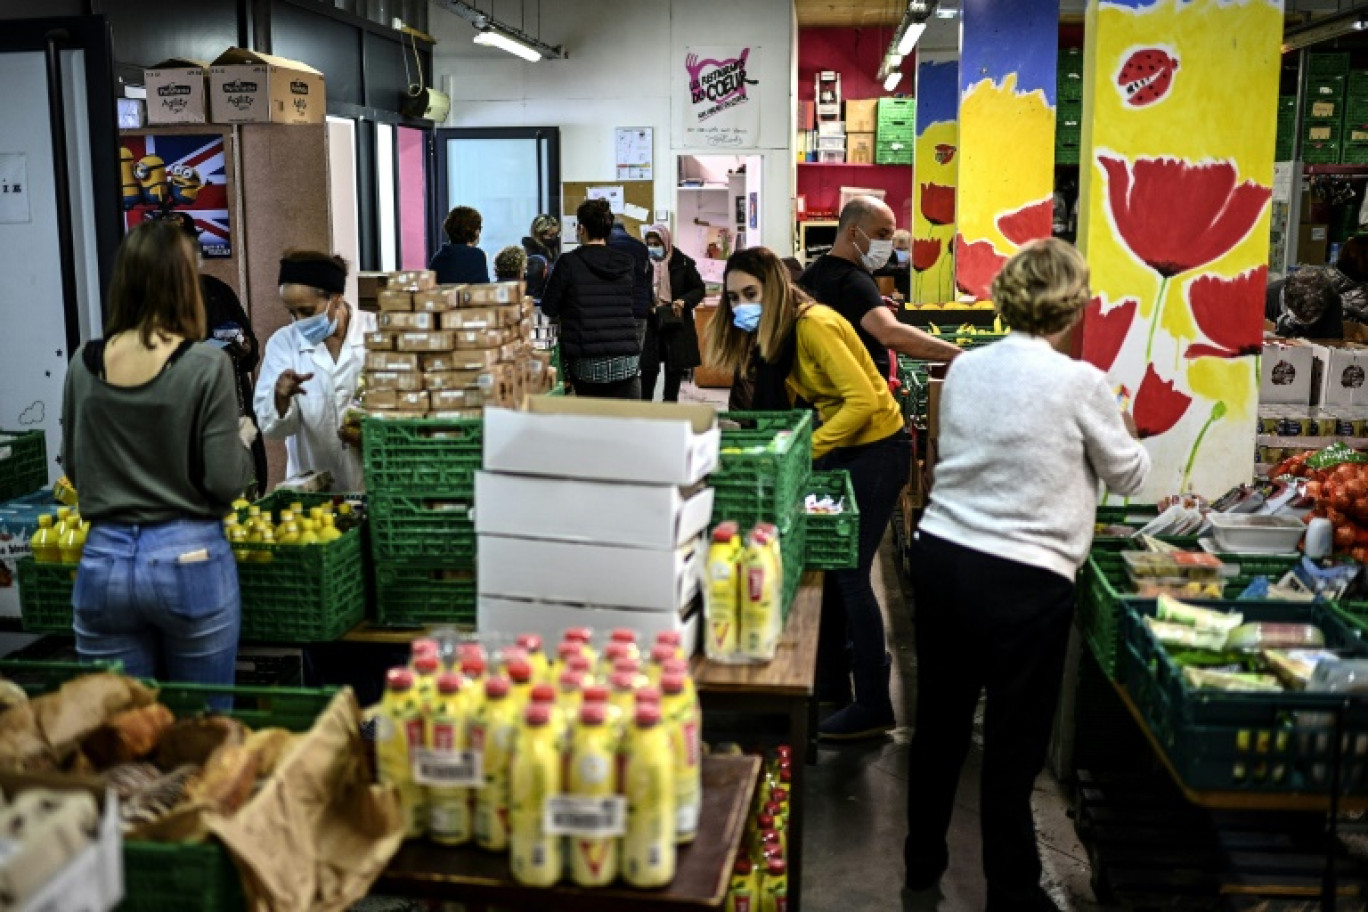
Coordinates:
<point>892,81</point>
<point>946,13</point>
<point>911,37</point>
<point>490,38</point>
<point>894,61</point>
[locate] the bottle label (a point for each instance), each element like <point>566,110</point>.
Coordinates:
<point>448,769</point>
<point>576,815</point>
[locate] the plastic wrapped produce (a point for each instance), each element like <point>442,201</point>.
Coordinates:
<point>1276,636</point>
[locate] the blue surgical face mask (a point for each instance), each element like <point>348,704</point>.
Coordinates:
<point>318,327</point>
<point>746,317</point>
<point>657,253</point>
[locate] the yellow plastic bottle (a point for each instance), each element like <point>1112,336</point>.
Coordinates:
<point>774,887</point>
<point>627,639</point>
<point>622,698</point>
<point>584,637</point>
<point>608,659</point>
<point>44,544</point>
<point>237,536</point>
<point>655,668</point>
<point>473,670</point>
<point>565,652</point>
<point>425,671</point>
<point>399,729</point>
<point>569,699</point>
<point>73,541</point>
<point>297,508</point>
<point>593,774</point>
<point>545,695</point>
<point>519,672</point>
<point>449,815</point>
<point>531,644</point>
<point>764,823</point>
<point>346,517</point>
<point>722,607</point>
<point>308,533</point>
<point>288,532</point>
<point>681,720</point>
<point>240,504</point>
<point>648,848</point>
<point>761,620</point>
<point>536,858</point>
<point>493,732</point>
<point>329,531</point>
<point>60,526</point>
<point>742,895</point>
<point>632,667</point>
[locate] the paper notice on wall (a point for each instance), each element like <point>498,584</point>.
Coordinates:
<point>14,189</point>
<point>637,212</point>
<point>616,197</point>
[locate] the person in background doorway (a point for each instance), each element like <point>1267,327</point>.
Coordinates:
<point>995,563</point>
<point>1306,305</point>
<point>590,292</point>
<point>154,442</point>
<point>808,353</point>
<point>510,264</point>
<point>642,275</point>
<point>902,249</point>
<point>671,339</point>
<point>843,280</point>
<point>543,239</point>
<point>312,367</point>
<point>460,261</point>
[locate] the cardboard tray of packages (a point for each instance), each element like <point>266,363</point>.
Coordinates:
<point>604,440</point>
<point>536,569</point>
<point>656,517</point>
<point>93,880</point>
<point>497,617</point>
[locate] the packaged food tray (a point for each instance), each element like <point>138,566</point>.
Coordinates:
<point>1258,742</point>
<point>833,539</point>
<point>763,467</point>
<point>23,463</point>
<point>421,455</point>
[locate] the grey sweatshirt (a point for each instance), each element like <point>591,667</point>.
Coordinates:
<point>165,450</point>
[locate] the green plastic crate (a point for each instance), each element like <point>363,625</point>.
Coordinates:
<point>1357,84</point>
<point>1069,85</point>
<point>302,594</point>
<point>45,596</point>
<point>896,109</point>
<point>38,678</point>
<point>833,539</point>
<point>1255,742</point>
<point>1335,63</point>
<point>793,543</point>
<point>1067,155</point>
<point>1355,131</point>
<point>433,526</point>
<point>421,455</point>
<point>762,486</point>
<point>417,592</point>
<point>1321,153</point>
<point>23,463</point>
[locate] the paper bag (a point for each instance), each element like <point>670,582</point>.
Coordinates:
<point>45,732</point>
<point>318,833</point>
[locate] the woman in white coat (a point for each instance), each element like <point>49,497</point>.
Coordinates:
<point>309,374</point>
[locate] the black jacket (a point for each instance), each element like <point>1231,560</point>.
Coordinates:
<point>590,290</point>
<point>677,347</point>
<point>642,276</point>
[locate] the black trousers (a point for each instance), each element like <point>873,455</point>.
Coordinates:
<point>618,389</point>
<point>850,610</point>
<point>984,622</point>
<point>649,375</point>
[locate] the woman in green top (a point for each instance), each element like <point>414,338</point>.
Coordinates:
<point>153,444</point>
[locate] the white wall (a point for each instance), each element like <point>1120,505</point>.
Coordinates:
<point>625,59</point>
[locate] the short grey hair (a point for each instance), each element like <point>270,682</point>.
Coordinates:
<point>859,211</point>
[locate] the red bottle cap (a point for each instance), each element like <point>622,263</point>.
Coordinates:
<point>399,679</point>
<point>676,666</point>
<point>423,646</point>
<point>580,663</point>
<point>777,866</point>
<point>626,666</point>
<point>660,653</point>
<point>449,683</point>
<point>472,651</point>
<point>743,866</point>
<point>622,680</point>
<point>593,713</point>
<point>571,680</point>
<point>779,796</point>
<point>538,714</point>
<point>616,652</point>
<point>726,532</point>
<point>648,695</point>
<point>473,667</point>
<point>567,649</point>
<point>785,774</point>
<point>519,670</point>
<point>672,684</point>
<point>770,836</point>
<point>530,642</point>
<point>671,638</point>
<point>581,635</point>
<point>774,809</point>
<point>624,636</point>
<point>764,822</point>
<point>496,687</point>
<point>596,694</point>
<point>426,665</point>
<point>784,752</point>
<point>543,693</point>
<point>647,714</point>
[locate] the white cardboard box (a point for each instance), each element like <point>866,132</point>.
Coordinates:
<point>1285,374</point>
<point>656,517</point>
<point>177,92</point>
<point>580,574</point>
<point>1342,372</point>
<point>504,618</point>
<point>603,440</point>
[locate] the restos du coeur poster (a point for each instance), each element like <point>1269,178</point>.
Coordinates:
<point>718,97</point>
<point>164,173</point>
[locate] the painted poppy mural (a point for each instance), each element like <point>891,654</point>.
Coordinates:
<point>1176,187</point>
<point>933,206</point>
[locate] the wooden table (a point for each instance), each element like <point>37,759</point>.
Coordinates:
<point>468,875</point>
<point>782,687</point>
<point>705,376</point>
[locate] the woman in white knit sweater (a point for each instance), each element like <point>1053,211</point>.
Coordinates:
<point>1026,435</point>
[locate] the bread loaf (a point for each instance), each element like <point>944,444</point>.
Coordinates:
<point>270,745</point>
<point>195,740</point>
<point>227,780</point>
<point>131,735</point>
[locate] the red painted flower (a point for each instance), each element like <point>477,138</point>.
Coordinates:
<point>976,265</point>
<point>1230,313</point>
<point>1176,216</point>
<point>1104,331</point>
<point>925,253</point>
<point>1029,223</point>
<point>938,204</point>
<point>1158,406</point>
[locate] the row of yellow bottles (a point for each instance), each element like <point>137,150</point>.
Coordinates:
<point>759,880</point>
<point>743,594</point>
<point>319,526</point>
<point>59,540</point>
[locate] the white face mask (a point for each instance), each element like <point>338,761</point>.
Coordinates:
<point>876,257</point>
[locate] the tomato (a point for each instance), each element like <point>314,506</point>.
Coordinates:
<point>1344,537</point>
<point>1313,490</point>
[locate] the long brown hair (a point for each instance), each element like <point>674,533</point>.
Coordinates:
<point>782,304</point>
<point>156,287</point>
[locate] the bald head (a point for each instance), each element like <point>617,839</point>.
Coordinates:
<point>865,212</point>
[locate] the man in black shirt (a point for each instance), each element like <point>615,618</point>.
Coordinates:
<point>843,280</point>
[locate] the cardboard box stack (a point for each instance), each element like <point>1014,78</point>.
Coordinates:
<point>240,86</point>
<point>594,514</point>
<point>447,351</point>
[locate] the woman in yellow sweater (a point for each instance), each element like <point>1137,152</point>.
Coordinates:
<point>809,354</point>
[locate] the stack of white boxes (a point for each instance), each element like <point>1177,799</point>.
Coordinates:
<point>593,513</point>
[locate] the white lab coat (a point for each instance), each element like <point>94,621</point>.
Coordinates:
<point>309,428</point>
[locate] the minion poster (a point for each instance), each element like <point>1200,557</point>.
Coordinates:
<point>178,173</point>
<point>1179,116</point>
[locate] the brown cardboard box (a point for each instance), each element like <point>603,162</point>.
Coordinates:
<point>377,398</point>
<point>418,322</point>
<point>391,299</point>
<point>861,115</point>
<point>479,359</point>
<point>370,284</point>
<point>468,339</point>
<point>399,414</point>
<point>860,148</point>
<point>414,399</point>
<point>251,87</point>
<point>380,341</point>
<point>438,300</point>
<point>453,380</point>
<point>413,280</point>
<point>473,318</point>
<point>177,92</point>
<point>1313,243</point>
<point>933,394</point>
<point>424,342</point>
<point>493,293</point>
<point>458,414</point>
<point>391,361</point>
<point>407,381</point>
<point>447,400</point>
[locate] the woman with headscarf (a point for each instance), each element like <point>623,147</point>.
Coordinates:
<point>671,339</point>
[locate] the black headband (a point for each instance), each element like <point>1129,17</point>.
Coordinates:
<point>324,275</point>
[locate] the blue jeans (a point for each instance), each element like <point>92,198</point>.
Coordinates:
<point>137,602</point>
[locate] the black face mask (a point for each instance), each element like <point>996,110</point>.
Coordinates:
<point>551,243</point>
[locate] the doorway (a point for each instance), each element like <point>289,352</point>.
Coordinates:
<point>720,207</point>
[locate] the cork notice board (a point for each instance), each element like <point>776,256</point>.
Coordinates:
<point>635,195</point>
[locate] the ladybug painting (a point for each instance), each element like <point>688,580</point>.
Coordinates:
<point>1146,77</point>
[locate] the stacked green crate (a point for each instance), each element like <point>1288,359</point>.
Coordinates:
<point>1354,149</point>
<point>420,482</point>
<point>896,140</point>
<point>1069,114</point>
<point>23,463</point>
<point>1287,128</point>
<point>1323,129</point>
